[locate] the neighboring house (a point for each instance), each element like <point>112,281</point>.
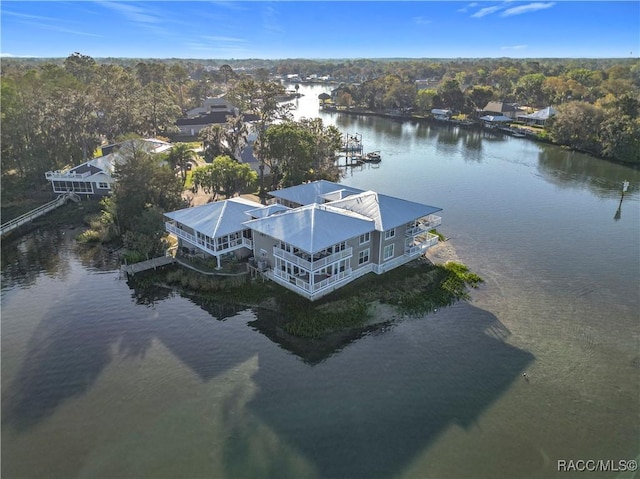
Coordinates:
<point>213,105</point>
<point>539,117</point>
<point>494,121</point>
<point>94,177</point>
<point>500,108</point>
<point>213,111</point>
<point>440,114</point>
<point>319,236</point>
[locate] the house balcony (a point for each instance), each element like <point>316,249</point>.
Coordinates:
<point>199,243</point>
<point>312,262</point>
<point>424,225</point>
<point>419,244</point>
<point>61,175</point>
<point>322,283</point>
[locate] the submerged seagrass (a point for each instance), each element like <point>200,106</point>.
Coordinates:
<point>414,289</point>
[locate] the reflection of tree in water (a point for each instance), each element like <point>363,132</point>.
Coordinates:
<point>24,258</point>
<point>448,135</point>
<point>472,141</point>
<point>95,257</point>
<point>570,169</point>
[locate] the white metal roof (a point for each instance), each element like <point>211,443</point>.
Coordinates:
<point>269,210</point>
<point>496,118</point>
<point>310,193</point>
<point>387,211</point>
<point>216,219</point>
<point>543,114</point>
<point>314,227</point>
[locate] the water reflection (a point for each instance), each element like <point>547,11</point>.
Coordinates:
<point>570,169</point>
<point>24,258</point>
<point>368,411</point>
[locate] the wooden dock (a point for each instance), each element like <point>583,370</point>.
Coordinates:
<point>37,212</point>
<point>152,263</point>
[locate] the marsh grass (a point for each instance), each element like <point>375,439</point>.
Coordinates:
<point>414,289</point>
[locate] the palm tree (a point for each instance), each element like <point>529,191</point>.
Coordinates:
<point>179,156</point>
<point>212,138</point>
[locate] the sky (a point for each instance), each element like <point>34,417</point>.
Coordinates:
<point>317,30</point>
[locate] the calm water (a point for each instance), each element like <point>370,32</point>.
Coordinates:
<point>100,379</point>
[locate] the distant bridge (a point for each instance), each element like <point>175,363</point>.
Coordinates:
<point>37,212</point>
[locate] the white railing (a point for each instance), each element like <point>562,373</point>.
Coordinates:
<point>171,228</point>
<point>200,243</point>
<point>413,248</point>
<point>66,175</point>
<point>315,264</point>
<point>426,224</point>
<point>35,213</point>
<point>305,288</point>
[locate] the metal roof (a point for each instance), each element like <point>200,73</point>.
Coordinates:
<point>312,228</point>
<point>215,219</point>
<point>310,193</point>
<point>386,211</point>
<point>265,211</point>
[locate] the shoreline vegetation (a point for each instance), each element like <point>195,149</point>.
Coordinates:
<point>411,290</point>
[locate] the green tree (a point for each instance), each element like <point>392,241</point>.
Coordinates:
<point>178,158</point>
<point>450,95</point>
<point>142,183</point>
<point>288,150</point>
<point>212,138</point>
<point>529,89</point>
<point>224,176</point>
<point>577,124</point>
<point>235,135</point>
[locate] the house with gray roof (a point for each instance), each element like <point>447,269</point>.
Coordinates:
<point>94,178</point>
<point>317,237</point>
<point>539,117</point>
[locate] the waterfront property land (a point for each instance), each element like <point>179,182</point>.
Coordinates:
<point>416,288</point>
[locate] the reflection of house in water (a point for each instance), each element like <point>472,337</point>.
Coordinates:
<point>373,408</point>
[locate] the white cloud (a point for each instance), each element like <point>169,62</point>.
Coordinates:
<point>224,39</point>
<point>466,9</point>
<point>531,7</point>
<point>421,21</point>
<point>270,20</point>
<point>514,47</point>
<point>132,12</point>
<point>486,11</point>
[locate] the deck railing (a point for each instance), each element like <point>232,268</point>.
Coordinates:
<point>50,175</point>
<point>315,264</point>
<point>426,224</point>
<point>234,243</point>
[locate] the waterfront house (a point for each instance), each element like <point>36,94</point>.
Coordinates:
<point>215,229</point>
<point>500,108</point>
<point>316,237</point>
<point>440,114</point>
<point>539,117</point>
<point>94,178</point>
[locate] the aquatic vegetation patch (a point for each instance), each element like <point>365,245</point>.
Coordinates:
<point>414,289</point>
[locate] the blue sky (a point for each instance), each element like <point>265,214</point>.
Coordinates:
<point>330,29</point>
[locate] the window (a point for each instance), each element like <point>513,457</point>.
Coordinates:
<point>389,233</point>
<point>104,186</point>
<point>388,252</point>
<point>363,256</point>
<point>365,238</point>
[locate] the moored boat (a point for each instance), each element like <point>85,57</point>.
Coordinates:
<point>373,157</point>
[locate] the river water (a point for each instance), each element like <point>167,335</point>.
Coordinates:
<point>101,379</point>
